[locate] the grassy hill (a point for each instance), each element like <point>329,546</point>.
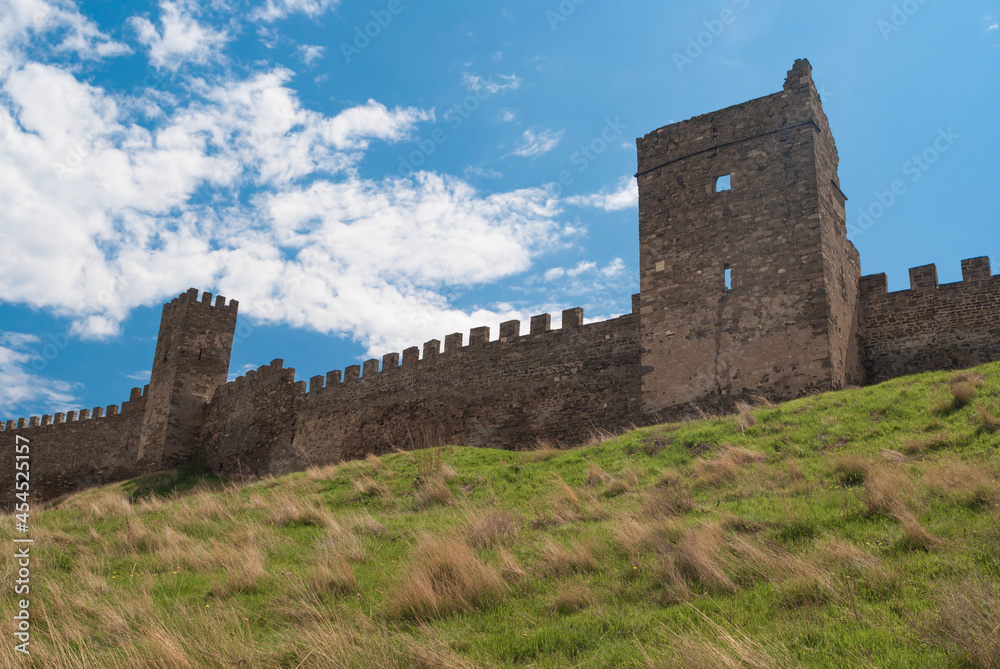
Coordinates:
<point>852,529</point>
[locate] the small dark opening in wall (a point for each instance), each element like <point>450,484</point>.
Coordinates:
<point>200,351</point>
<point>729,278</point>
<point>724,183</point>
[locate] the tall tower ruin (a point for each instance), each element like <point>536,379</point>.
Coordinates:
<point>748,282</point>
<point>191,361</point>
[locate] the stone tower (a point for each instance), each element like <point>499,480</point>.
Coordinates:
<point>748,282</point>
<point>192,360</point>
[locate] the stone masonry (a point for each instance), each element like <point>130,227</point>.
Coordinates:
<point>748,286</point>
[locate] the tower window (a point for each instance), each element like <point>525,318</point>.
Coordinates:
<point>729,278</point>
<point>724,183</point>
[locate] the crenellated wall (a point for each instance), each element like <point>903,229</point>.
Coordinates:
<point>930,326</point>
<point>77,450</point>
<point>747,289</point>
<point>556,385</point>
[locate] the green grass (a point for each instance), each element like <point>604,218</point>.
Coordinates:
<point>851,529</point>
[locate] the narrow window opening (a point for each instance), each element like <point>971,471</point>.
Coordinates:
<point>200,350</point>
<point>724,183</point>
<point>729,278</point>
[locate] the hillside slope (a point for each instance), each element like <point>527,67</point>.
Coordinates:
<point>852,529</point>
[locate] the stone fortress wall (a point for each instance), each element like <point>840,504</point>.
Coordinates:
<point>750,290</point>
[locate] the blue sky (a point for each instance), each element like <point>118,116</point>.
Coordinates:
<point>368,175</point>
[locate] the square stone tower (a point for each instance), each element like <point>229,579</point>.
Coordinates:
<point>748,282</point>
<point>192,359</point>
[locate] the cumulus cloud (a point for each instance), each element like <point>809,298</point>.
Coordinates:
<point>274,10</point>
<point>310,53</point>
<point>181,38</point>
<point>26,22</point>
<point>626,197</point>
<point>21,389</point>
<point>234,185</point>
<point>538,143</point>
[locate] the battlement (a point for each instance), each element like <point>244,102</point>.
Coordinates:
<point>975,272</point>
<point>191,298</point>
<point>254,377</point>
<point>135,403</point>
<point>930,325</point>
<point>538,327</point>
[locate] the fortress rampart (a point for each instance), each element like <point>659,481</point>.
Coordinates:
<point>930,326</point>
<point>748,286</point>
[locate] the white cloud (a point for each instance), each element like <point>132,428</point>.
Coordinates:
<point>507,115</point>
<point>181,37</point>
<point>241,189</point>
<point>537,144</point>
<point>21,389</point>
<point>626,197</point>
<point>22,22</point>
<point>476,84</point>
<point>485,173</point>
<point>310,53</point>
<point>140,376</point>
<point>273,10</point>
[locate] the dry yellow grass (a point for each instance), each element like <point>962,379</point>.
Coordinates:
<point>366,486</point>
<point>987,421</point>
<point>444,576</point>
<point>596,475</point>
<point>969,621</point>
<point>333,574</point>
<point>697,555</point>
<point>669,501</point>
<point>286,508</point>
<point>243,567</point>
<point>927,444</point>
<point>489,528</point>
<point>434,492</point>
<point>560,559</point>
<point>570,598</point>
<point>962,483</point>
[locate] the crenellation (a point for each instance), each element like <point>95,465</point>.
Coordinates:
<point>411,356</point>
<point>479,336</point>
<point>924,277</point>
<point>572,318</point>
<point>752,289</point>
<point>874,285</point>
<point>432,349</point>
<point>976,270</point>
<point>453,342</point>
<point>510,330</point>
<point>541,324</point>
